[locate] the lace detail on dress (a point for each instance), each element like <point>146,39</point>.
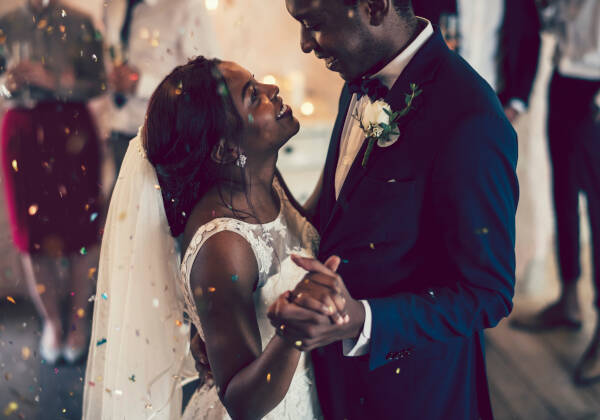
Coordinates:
<point>272,244</point>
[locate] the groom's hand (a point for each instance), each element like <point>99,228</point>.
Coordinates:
<point>301,321</point>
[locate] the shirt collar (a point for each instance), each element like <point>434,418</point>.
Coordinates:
<point>390,73</point>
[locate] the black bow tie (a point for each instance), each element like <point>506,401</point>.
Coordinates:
<point>373,88</point>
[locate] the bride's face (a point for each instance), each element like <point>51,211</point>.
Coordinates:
<point>268,122</point>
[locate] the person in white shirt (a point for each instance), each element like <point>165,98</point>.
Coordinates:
<point>574,144</point>
<point>146,39</point>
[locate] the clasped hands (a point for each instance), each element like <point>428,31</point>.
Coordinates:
<point>319,311</point>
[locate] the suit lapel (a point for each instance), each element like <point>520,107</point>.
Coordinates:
<point>420,70</point>
<point>328,193</point>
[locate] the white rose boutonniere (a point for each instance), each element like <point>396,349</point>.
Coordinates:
<point>380,123</point>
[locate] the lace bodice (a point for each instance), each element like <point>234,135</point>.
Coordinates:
<point>272,244</point>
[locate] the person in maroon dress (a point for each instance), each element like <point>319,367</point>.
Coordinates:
<point>51,160</point>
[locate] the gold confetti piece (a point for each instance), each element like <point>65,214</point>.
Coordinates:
<point>64,410</point>
<point>91,272</point>
<point>282,327</point>
<point>25,353</point>
<point>41,288</point>
<point>10,299</point>
<point>11,408</point>
<point>80,312</point>
<point>122,215</point>
<point>33,209</point>
<point>398,371</point>
<point>372,245</point>
<point>268,377</point>
<point>298,343</point>
<point>15,165</point>
<point>482,231</point>
<point>157,186</point>
<point>178,323</point>
<point>62,28</point>
<point>211,289</point>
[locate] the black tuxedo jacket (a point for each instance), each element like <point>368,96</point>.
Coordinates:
<point>426,233</point>
<point>519,49</point>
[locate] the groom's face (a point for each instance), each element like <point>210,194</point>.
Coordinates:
<point>338,34</point>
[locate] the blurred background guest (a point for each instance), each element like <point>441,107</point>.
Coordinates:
<point>50,162</point>
<point>144,46</point>
<point>499,38</point>
<point>574,144</point>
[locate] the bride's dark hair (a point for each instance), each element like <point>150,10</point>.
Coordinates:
<point>188,114</point>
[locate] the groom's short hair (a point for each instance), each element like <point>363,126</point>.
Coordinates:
<point>402,7</point>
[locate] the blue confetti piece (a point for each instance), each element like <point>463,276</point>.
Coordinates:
<point>104,296</point>
<point>100,342</point>
<point>235,277</point>
<point>93,217</point>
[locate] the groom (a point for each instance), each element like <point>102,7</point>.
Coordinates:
<point>424,227</point>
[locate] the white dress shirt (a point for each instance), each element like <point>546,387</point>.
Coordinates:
<point>164,34</point>
<point>480,27</point>
<point>351,142</point>
<point>579,40</point>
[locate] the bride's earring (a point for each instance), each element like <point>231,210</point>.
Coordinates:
<point>241,160</point>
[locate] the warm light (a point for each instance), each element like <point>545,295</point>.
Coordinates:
<point>211,4</point>
<point>307,108</point>
<point>269,79</point>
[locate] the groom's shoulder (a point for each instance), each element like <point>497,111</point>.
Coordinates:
<point>462,89</point>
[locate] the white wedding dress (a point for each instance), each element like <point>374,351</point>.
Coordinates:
<point>272,243</point>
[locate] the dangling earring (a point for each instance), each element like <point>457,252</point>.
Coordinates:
<point>241,160</point>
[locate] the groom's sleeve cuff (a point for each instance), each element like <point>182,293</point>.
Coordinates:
<point>362,344</point>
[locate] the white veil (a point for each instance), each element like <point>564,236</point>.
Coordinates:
<point>140,341</point>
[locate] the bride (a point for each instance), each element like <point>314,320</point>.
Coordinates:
<point>203,167</point>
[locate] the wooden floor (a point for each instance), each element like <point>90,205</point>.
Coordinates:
<point>530,375</point>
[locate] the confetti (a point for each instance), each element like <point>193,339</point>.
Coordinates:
<point>64,410</point>
<point>63,13</point>
<point>372,245</point>
<point>25,353</point>
<point>211,290</point>
<point>132,378</point>
<point>122,216</point>
<point>80,312</point>
<point>155,302</point>
<point>93,216</point>
<point>91,272</point>
<point>235,277</point>
<point>56,371</point>
<point>157,186</point>
<point>298,343</point>
<point>95,58</point>
<point>269,377</point>
<point>83,251</point>
<point>33,209</point>
<point>91,383</point>
<point>398,371</point>
<point>41,288</point>
<point>100,342</point>
<point>482,231</point>
<point>11,408</point>
<point>118,392</point>
<point>345,261</point>
<point>10,299</point>
<point>178,323</point>
<point>104,296</point>
<point>15,165</point>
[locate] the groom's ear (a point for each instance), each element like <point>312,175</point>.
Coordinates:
<point>378,10</point>
<point>223,154</point>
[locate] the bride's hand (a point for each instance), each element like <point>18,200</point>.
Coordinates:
<point>325,296</point>
<point>198,350</point>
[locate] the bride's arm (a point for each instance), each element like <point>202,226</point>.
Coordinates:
<point>250,382</point>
